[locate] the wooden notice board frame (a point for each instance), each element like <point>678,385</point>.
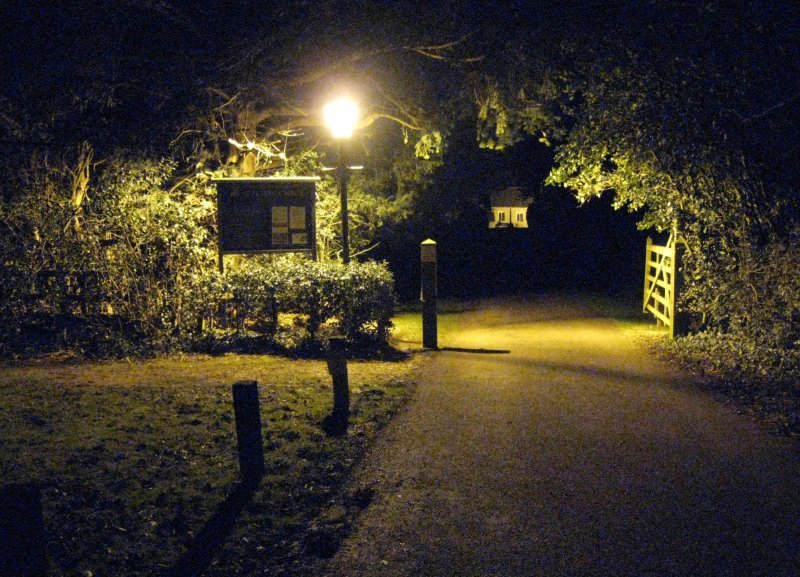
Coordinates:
<point>266,214</point>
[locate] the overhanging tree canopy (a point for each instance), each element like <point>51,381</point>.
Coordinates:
<point>687,109</point>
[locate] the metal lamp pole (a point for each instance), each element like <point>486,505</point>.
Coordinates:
<point>341,116</point>
<point>341,171</point>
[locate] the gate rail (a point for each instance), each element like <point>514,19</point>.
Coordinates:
<point>662,284</point>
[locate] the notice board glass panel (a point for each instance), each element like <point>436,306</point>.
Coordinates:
<point>264,214</point>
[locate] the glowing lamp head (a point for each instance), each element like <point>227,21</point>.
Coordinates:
<point>341,116</point>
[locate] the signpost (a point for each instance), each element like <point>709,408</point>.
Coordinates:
<point>274,214</point>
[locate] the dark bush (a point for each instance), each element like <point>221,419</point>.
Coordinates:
<point>132,268</point>
<point>356,299</point>
<point>751,303</point>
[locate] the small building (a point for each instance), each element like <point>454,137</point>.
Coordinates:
<point>509,208</point>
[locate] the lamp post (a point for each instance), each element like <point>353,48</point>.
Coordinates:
<point>341,116</point>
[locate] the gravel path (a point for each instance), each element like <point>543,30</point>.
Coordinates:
<point>570,454</point>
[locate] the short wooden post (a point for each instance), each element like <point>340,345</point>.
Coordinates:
<point>430,337</point>
<point>337,367</point>
<point>248,430</point>
<point>22,536</point>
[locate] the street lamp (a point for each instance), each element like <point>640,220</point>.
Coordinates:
<point>341,116</point>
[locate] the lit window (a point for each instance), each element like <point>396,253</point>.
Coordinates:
<point>520,217</point>
<point>502,216</point>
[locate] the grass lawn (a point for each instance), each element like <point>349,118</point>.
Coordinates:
<point>138,468</point>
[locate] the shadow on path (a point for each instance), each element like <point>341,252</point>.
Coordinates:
<point>210,538</point>
<point>475,351</point>
<point>629,374</point>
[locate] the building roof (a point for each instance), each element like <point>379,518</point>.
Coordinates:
<point>511,196</point>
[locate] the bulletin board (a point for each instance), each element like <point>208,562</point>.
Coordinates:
<point>256,215</point>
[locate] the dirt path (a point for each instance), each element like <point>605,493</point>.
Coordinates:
<point>571,454</point>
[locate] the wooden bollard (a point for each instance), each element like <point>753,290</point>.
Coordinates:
<point>248,430</point>
<point>430,338</point>
<point>22,536</point>
<point>337,367</point>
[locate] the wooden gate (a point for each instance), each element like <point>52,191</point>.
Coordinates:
<point>662,285</point>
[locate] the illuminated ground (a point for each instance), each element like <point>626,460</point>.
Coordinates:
<point>570,454</point>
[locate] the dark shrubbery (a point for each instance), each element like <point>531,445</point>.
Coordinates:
<point>128,266</point>
<point>283,304</point>
<point>356,299</point>
<point>752,313</point>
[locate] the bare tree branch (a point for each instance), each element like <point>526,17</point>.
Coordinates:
<point>437,51</point>
<point>320,73</point>
<point>316,122</point>
<point>445,46</point>
<point>769,110</point>
<point>371,118</point>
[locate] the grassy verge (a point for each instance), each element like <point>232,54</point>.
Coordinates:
<point>138,467</point>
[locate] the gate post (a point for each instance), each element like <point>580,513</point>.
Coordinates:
<point>646,273</point>
<point>679,326</point>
